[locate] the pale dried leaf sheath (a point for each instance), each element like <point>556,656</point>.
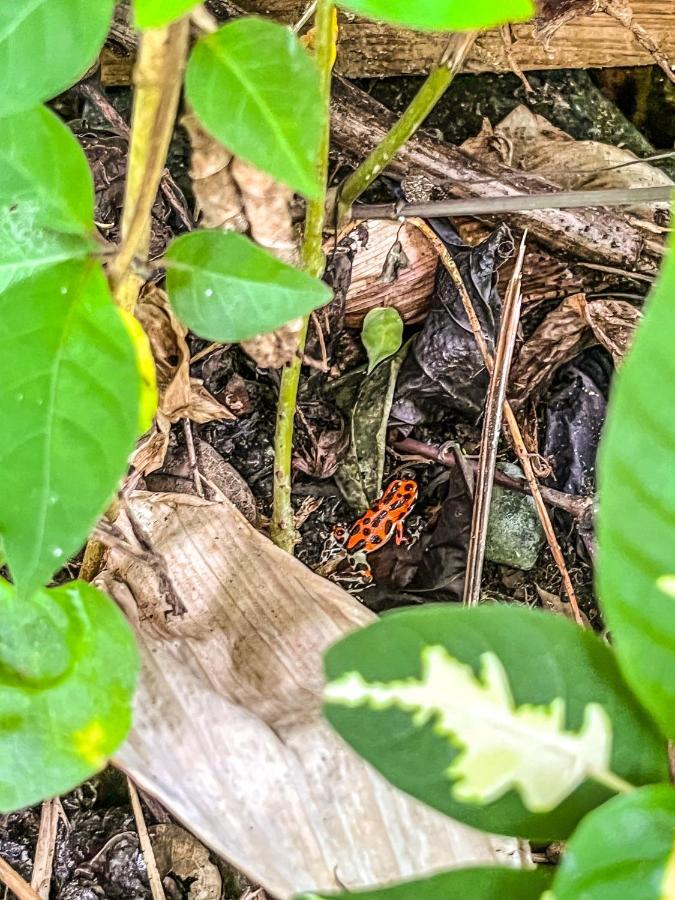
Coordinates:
<point>228,730</point>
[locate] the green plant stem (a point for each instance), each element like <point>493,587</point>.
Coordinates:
<point>431,91</point>
<point>613,782</point>
<point>283,526</point>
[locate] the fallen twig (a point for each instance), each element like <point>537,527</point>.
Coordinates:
<point>492,426</point>
<point>44,850</point>
<point>146,846</point>
<point>15,883</point>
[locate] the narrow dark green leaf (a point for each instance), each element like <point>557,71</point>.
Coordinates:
<point>70,392</point>
<point>382,333</point>
<point>473,884</point>
<point>636,519</point>
<point>360,474</point>
<point>47,45</point>
<point>256,89</point>
<point>46,195</point>
<point>157,13</point>
<point>450,15</point>
<point>623,849</point>
<point>517,721</point>
<point>68,668</point>
<point>226,288</point>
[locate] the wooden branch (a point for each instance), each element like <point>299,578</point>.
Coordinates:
<point>369,49</point>
<point>598,236</point>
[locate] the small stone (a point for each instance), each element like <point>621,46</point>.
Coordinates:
<point>515,535</point>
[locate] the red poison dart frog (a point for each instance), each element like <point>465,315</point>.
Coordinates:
<point>376,526</point>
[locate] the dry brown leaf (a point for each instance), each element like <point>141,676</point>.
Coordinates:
<point>409,292</point>
<point>560,337</point>
<point>179,395</point>
<point>564,333</point>
<point>276,348</point>
<point>216,192</point>
<point>613,323</point>
<point>267,208</point>
<point>228,732</point>
<point>179,853</point>
<point>530,142</point>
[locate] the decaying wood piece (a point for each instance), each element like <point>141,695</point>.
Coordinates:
<point>370,49</point>
<point>228,731</point>
<point>592,235</point>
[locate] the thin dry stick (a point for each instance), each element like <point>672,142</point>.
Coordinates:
<point>192,456</point>
<point>492,426</point>
<point>511,421</point>
<point>146,846</point>
<point>15,883</point>
<point>46,844</point>
<point>579,507</point>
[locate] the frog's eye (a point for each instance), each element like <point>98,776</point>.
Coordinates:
<point>409,486</point>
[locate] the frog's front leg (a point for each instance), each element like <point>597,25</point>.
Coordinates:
<point>399,537</point>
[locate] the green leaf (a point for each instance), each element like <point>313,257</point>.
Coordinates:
<point>68,668</point>
<point>360,474</point>
<point>518,721</point>
<point>381,334</point>
<point>636,519</point>
<point>41,162</point>
<point>449,15</point>
<point>226,288</point>
<point>157,13</point>
<point>47,45</point>
<point>477,884</point>
<point>70,392</point>
<point>623,849</point>
<point>256,89</point>
<point>46,195</point>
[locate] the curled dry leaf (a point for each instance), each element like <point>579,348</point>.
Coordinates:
<point>276,348</point>
<point>219,201</point>
<point>371,284</point>
<point>179,395</point>
<point>228,730</point>
<point>565,332</point>
<point>529,142</point>
<point>179,854</point>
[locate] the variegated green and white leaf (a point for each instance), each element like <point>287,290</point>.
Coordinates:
<point>523,721</point>
<point>502,746</point>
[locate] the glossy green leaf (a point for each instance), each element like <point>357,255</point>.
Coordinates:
<point>449,15</point>
<point>256,89</point>
<point>157,13</point>
<point>485,883</point>
<point>46,195</point>
<point>47,45</point>
<point>70,392</point>
<point>522,720</point>
<point>623,849</point>
<point>68,668</point>
<point>226,288</point>
<point>382,333</point>
<point>636,519</point>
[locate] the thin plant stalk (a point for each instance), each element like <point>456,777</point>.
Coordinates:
<point>283,526</point>
<point>435,85</point>
<point>158,76</point>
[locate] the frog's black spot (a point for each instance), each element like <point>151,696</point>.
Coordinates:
<point>358,546</point>
<point>379,518</point>
<point>366,521</point>
<point>365,531</point>
<point>376,539</point>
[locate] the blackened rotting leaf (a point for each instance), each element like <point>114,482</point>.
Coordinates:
<point>432,568</point>
<point>18,837</point>
<point>575,413</point>
<point>444,371</point>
